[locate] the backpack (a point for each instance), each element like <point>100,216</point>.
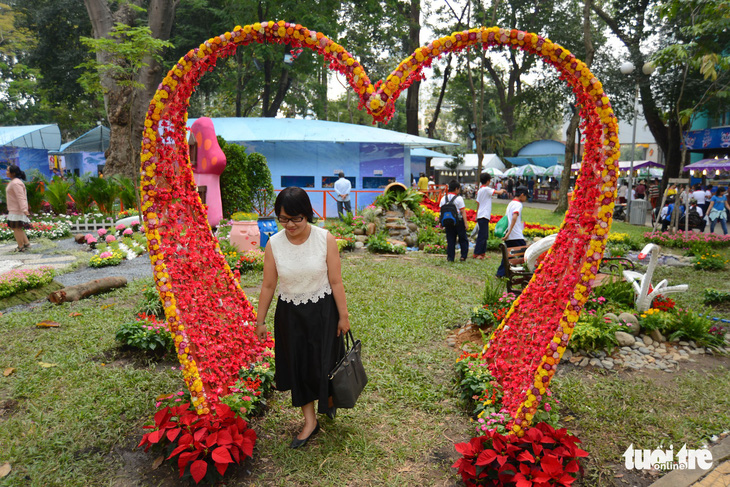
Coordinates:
<point>695,220</point>
<point>449,213</point>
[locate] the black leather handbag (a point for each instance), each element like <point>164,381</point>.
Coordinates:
<point>348,378</point>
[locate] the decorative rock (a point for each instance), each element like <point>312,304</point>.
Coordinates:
<point>451,342</point>
<point>359,231</point>
<point>601,354</point>
<point>625,339</point>
<point>359,245</point>
<point>584,362</point>
<point>410,241</point>
<point>657,336</point>
<point>647,340</point>
<point>595,362</point>
<point>607,364</point>
<point>632,321</point>
<point>684,343</point>
<point>567,355</point>
<point>611,316</point>
<point>645,350</point>
<point>412,227</point>
<point>371,229</point>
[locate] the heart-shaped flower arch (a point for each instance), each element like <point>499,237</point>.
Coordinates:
<point>208,313</point>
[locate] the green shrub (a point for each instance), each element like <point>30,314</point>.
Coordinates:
<point>429,236</point>
<point>688,325</point>
<point>81,193</point>
<point>493,244</point>
<point>483,317</point>
<point>259,181</point>
<point>714,296</point>
<point>105,192</point>
<point>57,195</point>
<point>493,291</point>
<point>149,303</point>
<point>476,386</point>
<point>618,249</point>
<point>654,319</point>
<point>378,244</point>
<point>619,294</point>
<point>709,262</point>
<point>234,185</point>
<point>594,333</point>
<point>146,334</point>
<point>34,192</point>
<point>127,192</point>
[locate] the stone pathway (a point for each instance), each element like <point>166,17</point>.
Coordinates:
<point>31,259</point>
<point>645,353</point>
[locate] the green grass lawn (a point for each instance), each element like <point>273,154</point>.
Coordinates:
<point>75,422</point>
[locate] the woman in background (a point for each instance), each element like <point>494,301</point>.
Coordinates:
<point>17,200</point>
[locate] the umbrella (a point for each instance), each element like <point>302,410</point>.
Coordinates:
<point>493,171</point>
<point>530,170</point>
<point>555,171</point>
<point>512,171</point>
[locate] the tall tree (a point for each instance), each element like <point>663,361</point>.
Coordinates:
<point>126,103</point>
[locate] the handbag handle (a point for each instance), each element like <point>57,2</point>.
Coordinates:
<point>347,341</point>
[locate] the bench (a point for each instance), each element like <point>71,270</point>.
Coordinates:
<point>517,274</point>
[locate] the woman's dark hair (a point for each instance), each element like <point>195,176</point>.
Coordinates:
<point>15,172</point>
<point>294,201</point>
<point>720,190</point>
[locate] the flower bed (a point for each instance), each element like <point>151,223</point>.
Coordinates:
<point>15,281</point>
<point>682,239</point>
<point>38,229</point>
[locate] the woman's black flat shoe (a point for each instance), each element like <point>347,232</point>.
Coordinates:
<point>297,443</point>
<point>332,413</point>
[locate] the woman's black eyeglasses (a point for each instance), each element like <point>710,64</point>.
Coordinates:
<point>296,219</point>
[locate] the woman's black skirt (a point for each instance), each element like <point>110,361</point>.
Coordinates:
<point>306,347</point>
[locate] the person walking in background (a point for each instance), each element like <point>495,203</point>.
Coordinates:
<point>311,311</point>
<point>654,197</point>
<point>17,201</point>
<point>423,183</point>
<point>623,192</point>
<point>699,196</point>
<point>717,211</point>
<point>484,214</point>
<point>639,191</point>
<point>530,188</point>
<point>514,236</point>
<point>510,188</point>
<point>342,193</point>
<point>458,229</point>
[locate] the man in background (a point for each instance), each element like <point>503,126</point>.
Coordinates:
<point>342,194</point>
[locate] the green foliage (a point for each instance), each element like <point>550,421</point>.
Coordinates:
<point>81,193</point>
<point>150,303</point>
<point>493,244</point>
<point>654,319</point>
<point>688,325</point>
<point>34,191</point>
<point>148,336</point>
<point>618,293</point>
<point>378,244</point>
<point>406,200</point>
<point>105,192</point>
<point>476,386</point>
<point>709,262</point>
<point>127,191</point>
<point>594,333</point>
<point>242,216</point>
<point>618,249</point>
<point>57,195</point>
<point>493,290</point>
<point>714,296</point>
<point>434,249</point>
<point>235,190</point>
<point>482,317</point>
<point>259,180</point>
<point>430,236</point>
<point>128,48</point>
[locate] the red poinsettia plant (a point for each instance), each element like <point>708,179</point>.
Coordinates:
<point>218,438</point>
<point>544,456</point>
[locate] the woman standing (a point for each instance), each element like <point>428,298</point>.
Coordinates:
<point>717,211</point>
<point>311,311</point>
<point>17,206</point>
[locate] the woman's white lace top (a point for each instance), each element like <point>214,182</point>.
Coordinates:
<point>302,268</point>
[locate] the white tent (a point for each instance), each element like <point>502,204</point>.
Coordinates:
<point>470,162</point>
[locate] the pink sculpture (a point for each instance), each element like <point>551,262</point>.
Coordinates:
<point>209,161</point>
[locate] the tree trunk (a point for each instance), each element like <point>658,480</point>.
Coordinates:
<point>575,120</point>
<point>126,107</point>
<point>80,291</point>
<point>414,41</point>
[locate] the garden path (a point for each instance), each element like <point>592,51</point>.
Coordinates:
<point>31,259</point>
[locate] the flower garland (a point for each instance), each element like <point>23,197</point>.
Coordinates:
<point>206,309</point>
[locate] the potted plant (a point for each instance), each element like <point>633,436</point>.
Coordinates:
<point>245,234</point>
